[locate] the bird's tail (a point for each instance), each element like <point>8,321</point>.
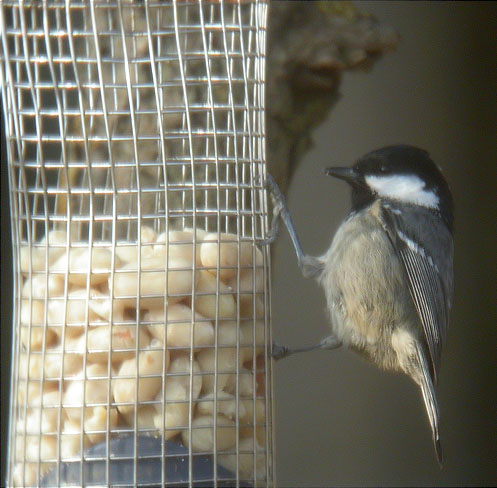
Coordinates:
<point>430,401</point>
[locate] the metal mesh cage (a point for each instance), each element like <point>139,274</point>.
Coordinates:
<point>135,138</point>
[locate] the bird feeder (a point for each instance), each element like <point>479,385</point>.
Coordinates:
<point>136,152</point>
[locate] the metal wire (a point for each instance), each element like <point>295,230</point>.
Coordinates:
<point>135,139</point>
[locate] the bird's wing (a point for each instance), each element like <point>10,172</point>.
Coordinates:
<point>427,288</point>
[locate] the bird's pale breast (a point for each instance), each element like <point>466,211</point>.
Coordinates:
<point>366,290</point>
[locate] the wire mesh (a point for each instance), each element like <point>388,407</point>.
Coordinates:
<point>135,139</point>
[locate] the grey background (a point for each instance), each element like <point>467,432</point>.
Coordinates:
<point>339,420</point>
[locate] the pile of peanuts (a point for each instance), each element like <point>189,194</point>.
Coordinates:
<point>111,351</point>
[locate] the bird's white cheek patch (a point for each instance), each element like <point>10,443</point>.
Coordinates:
<point>405,188</point>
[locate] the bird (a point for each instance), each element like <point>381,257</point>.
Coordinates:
<point>388,273</point>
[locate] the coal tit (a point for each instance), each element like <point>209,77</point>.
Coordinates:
<point>388,273</point>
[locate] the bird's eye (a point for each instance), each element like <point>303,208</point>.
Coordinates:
<point>383,169</point>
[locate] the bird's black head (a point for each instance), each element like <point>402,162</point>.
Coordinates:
<point>402,173</point>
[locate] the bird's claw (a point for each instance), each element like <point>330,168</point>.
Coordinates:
<point>278,207</point>
<point>258,181</point>
<point>278,351</point>
<point>266,242</point>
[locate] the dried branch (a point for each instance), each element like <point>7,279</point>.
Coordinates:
<point>310,45</point>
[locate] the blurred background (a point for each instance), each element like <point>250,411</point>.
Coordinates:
<point>339,420</point>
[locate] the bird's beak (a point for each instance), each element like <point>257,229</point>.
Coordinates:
<point>347,174</point>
